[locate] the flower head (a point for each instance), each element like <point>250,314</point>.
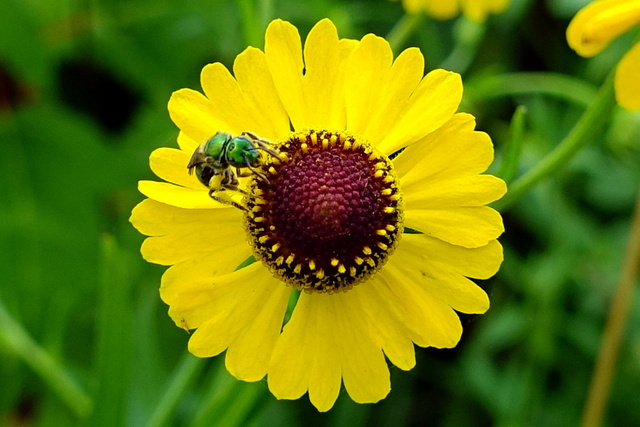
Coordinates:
<point>474,10</point>
<point>595,27</point>
<point>354,147</point>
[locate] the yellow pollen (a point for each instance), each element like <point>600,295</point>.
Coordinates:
<point>358,260</point>
<point>275,247</point>
<point>304,147</point>
<point>280,260</point>
<point>259,219</point>
<point>263,239</point>
<point>372,157</point>
<point>314,139</point>
<point>352,271</point>
<point>347,145</point>
<point>356,144</point>
<point>390,227</point>
<point>341,269</point>
<point>325,143</point>
<point>379,166</point>
<point>370,261</point>
<point>272,228</point>
<point>320,274</point>
<point>284,157</point>
<point>382,246</point>
<point>386,192</point>
<point>366,250</point>
<point>388,179</point>
<point>389,210</point>
<point>334,261</point>
<point>272,170</point>
<point>289,259</point>
<point>334,138</point>
<point>381,232</point>
<point>312,265</point>
<point>395,197</point>
<point>297,269</point>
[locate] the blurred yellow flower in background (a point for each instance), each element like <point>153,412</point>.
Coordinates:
<point>595,27</point>
<point>474,10</point>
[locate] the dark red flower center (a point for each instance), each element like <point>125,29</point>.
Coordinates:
<point>329,213</point>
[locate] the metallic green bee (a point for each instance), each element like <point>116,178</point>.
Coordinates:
<point>218,162</point>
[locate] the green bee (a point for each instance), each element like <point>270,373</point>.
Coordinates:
<point>218,162</point>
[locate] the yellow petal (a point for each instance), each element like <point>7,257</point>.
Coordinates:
<point>184,234</point>
<point>387,323</point>
<point>597,24</point>
<point>194,114</point>
<point>283,50</point>
<point>453,150</point>
<point>470,227</point>
<point>441,269</point>
<point>230,103</point>
<point>188,286</point>
<point>431,321</point>
<point>171,165</point>
<point>294,355</point>
<point>181,197</point>
<point>323,82</point>
<point>328,335</point>
<point>249,354</point>
<point>186,144</point>
<point>228,305</point>
<point>364,370</point>
<point>325,374</point>
<point>253,76</point>
<point>627,82</point>
<point>392,100</point>
<point>425,251</point>
<point>432,104</point>
<point>477,190</point>
<point>154,218</point>
<point>367,72</point>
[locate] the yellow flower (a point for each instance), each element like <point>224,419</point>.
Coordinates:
<point>326,220</point>
<point>474,10</point>
<point>594,27</point>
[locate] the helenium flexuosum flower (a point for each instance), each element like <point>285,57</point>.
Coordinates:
<point>595,27</point>
<point>328,219</point>
<point>474,10</point>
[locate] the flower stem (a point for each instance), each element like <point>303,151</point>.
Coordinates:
<point>18,342</point>
<point>188,369</point>
<point>252,29</point>
<point>582,133</point>
<point>403,29</point>
<point>612,336</point>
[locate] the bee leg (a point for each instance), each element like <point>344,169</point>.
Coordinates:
<point>218,198</point>
<point>263,144</point>
<point>257,173</point>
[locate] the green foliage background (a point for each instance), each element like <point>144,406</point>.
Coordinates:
<point>85,339</point>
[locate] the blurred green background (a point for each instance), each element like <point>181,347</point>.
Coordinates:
<point>85,339</point>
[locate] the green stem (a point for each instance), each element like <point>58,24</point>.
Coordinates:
<point>614,329</point>
<point>582,133</point>
<point>18,341</point>
<point>403,29</point>
<point>188,369</point>
<point>252,29</point>
<point>558,85</point>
